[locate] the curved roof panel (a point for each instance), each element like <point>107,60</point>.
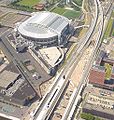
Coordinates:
<point>43,25</point>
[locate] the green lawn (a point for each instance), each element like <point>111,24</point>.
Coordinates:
<point>108,68</point>
<point>88,116</point>
<point>113,33</point>
<point>78,2</point>
<point>113,14</point>
<point>28,2</point>
<point>59,10</point>
<point>71,14</point>
<point>108,29</point>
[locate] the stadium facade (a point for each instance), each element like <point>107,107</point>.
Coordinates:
<point>45,29</point>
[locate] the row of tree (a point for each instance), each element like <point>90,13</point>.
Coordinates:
<point>88,116</point>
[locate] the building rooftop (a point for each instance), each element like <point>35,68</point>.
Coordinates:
<point>108,114</point>
<point>43,25</point>
<point>25,91</point>
<point>100,92</point>
<point>96,77</point>
<point>51,55</point>
<point>6,77</point>
<point>98,72</point>
<point>101,55</point>
<point>99,102</point>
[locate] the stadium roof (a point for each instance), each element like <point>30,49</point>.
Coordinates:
<point>43,25</point>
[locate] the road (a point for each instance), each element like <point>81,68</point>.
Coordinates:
<point>44,110</point>
<point>68,115</point>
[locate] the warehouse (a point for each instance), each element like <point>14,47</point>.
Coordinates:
<point>14,89</point>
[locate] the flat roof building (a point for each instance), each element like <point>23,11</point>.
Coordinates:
<point>14,89</point>
<point>99,102</point>
<point>7,77</point>
<point>52,55</point>
<point>97,75</point>
<point>49,58</point>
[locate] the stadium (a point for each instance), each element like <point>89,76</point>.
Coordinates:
<point>45,29</point>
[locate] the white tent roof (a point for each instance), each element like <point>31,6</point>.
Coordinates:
<point>43,25</point>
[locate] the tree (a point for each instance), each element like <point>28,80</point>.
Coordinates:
<point>87,116</point>
<point>97,118</point>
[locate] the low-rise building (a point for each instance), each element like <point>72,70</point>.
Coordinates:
<point>97,75</point>
<point>49,58</point>
<point>14,89</point>
<point>99,102</point>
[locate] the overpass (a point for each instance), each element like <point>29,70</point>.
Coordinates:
<point>76,96</point>
<point>81,26</point>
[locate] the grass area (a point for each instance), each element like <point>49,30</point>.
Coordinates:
<point>113,26</point>
<point>71,14</point>
<point>108,68</point>
<point>113,33</point>
<point>25,5</point>
<point>29,3</point>
<point>108,29</point>
<point>70,51</point>
<point>113,14</point>
<point>68,55</point>
<point>82,32</point>
<point>76,8</point>
<point>59,10</point>
<point>78,2</point>
<point>88,116</point>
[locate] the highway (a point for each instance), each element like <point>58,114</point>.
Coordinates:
<point>76,96</point>
<point>45,108</point>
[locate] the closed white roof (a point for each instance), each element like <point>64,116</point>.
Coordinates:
<point>51,55</point>
<point>43,25</point>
